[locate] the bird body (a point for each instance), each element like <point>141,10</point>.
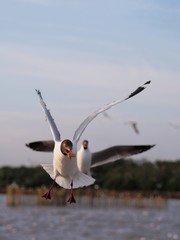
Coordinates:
<point>84,158</point>
<point>64,165</point>
<point>65,170</point>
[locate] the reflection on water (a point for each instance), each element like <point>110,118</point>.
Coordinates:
<point>71,222</point>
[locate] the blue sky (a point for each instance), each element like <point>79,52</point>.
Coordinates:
<point>82,55</point>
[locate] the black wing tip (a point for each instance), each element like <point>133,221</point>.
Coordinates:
<point>138,90</point>
<point>153,145</point>
<point>30,145</point>
<point>148,82</point>
<point>148,147</point>
<point>38,91</point>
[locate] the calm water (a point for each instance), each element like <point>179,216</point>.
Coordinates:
<point>71,223</point>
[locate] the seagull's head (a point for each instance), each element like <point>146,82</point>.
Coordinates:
<point>66,148</point>
<point>85,144</point>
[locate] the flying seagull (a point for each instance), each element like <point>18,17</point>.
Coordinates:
<point>133,125</point>
<point>174,125</point>
<point>64,170</point>
<point>106,115</point>
<point>87,159</point>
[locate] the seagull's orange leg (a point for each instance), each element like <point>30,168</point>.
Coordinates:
<point>47,195</point>
<point>71,197</point>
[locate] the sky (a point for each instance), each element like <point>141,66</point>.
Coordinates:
<point>83,54</point>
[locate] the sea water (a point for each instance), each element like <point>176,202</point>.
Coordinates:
<point>79,223</point>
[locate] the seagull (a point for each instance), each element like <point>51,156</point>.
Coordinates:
<point>106,115</point>
<point>64,170</point>
<point>133,124</point>
<point>176,126</point>
<point>86,160</point>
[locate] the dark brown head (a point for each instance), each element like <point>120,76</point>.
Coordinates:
<point>85,144</point>
<point>66,148</point>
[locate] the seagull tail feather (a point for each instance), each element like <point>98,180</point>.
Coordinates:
<point>79,179</point>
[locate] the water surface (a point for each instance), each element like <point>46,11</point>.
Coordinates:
<point>72,222</point>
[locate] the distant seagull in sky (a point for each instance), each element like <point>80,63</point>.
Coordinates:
<point>133,125</point>
<point>86,160</point>
<point>64,170</point>
<point>176,126</point>
<point>106,115</point>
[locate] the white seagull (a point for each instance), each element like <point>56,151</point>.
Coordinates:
<point>64,170</point>
<point>87,159</point>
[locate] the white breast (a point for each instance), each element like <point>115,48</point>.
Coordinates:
<point>64,165</point>
<point>84,160</point>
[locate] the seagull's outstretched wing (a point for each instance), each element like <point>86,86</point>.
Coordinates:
<point>53,127</point>
<point>42,146</point>
<point>116,153</point>
<point>99,158</point>
<point>85,123</point>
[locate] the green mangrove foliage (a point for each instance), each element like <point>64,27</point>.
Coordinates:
<point>122,175</point>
